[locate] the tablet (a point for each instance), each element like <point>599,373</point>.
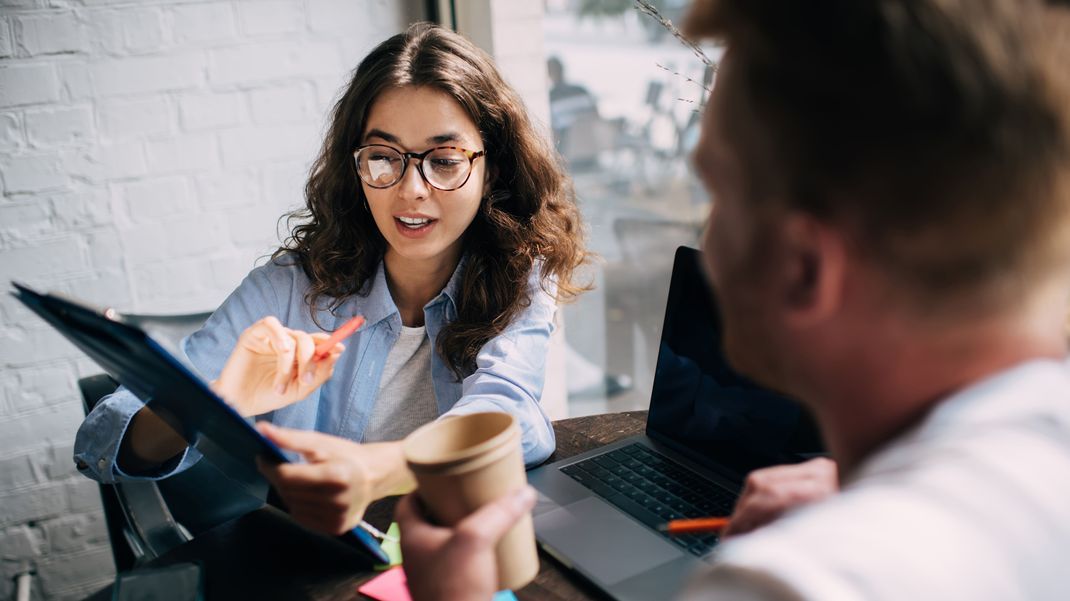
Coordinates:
<point>176,394</point>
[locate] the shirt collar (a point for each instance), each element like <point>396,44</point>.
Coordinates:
<point>452,291</point>
<point>379,304</point>
<point>1031,388</point>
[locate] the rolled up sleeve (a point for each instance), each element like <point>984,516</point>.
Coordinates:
<point>99,438</point>
<point>96,446</point>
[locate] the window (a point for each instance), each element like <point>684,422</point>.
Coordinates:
<point>625,105</point>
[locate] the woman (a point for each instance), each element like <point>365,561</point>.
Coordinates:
<point>437,212</point>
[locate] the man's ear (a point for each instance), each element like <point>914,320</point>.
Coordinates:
<point>815,263</point>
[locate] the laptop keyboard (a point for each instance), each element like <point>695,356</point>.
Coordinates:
<point>654,489</point>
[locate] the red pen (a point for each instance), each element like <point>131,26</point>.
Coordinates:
<point>324,348</point>
<point>694,526</point>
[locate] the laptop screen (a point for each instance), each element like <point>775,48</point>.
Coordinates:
<point>701,407</point>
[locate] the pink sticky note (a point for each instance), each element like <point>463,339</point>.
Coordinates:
<point>388,586</point>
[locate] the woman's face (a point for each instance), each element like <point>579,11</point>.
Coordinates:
<point>422,223</point>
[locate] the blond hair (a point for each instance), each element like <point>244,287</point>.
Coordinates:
<point>937,129</point>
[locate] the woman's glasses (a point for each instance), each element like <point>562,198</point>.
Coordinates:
<point>444,168</point>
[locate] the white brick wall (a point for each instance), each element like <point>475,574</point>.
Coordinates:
<point>146,150</point>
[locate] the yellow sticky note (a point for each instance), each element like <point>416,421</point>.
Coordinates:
<point>391,547</point>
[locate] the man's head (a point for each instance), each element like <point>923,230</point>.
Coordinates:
<point>901,157</point>
<point>555,70</point>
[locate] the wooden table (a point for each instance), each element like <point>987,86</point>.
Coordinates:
<point>264,555</point>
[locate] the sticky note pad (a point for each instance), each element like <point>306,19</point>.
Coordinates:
<point>388,586</point>
<point>392,586</point>
<point>392,548</point>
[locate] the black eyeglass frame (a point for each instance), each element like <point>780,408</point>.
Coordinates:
<point>471,155</point>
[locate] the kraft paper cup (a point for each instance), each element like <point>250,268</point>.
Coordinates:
<point>462,463</point>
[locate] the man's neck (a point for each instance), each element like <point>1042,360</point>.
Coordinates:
<point>885,389</point>
<point>414,283</point>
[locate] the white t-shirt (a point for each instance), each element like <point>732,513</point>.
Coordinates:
<point>406,398</point>
<point>972,504</point>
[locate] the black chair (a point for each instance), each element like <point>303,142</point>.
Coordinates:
<point>146,519</point>
<point>637,286</point>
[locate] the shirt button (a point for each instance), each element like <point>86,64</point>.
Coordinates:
<point>103,463</point>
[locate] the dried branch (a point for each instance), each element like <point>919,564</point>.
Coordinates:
<point>678,74</point>
<point>650,10</point>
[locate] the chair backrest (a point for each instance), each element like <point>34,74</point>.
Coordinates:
<point>140,525</point>
<point>145,518</point>
<point>586,138</point>
<point>93,389</point>
<point>646,242</point>
<point>169,330</point>
<point>648,247</point>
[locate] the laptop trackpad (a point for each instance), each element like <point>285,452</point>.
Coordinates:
<point>597,536</point>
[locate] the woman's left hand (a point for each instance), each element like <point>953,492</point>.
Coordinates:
<point>341,478</point>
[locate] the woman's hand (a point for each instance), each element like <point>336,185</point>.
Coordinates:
<point>771,491</point>
<point>272,367</point>
<point>330,492</point>
<point>457,564</point>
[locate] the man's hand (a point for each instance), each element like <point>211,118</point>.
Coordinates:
<point>272,367</point>
<point>769,492</point>
<point>457,564</point>
<point>332,490</point>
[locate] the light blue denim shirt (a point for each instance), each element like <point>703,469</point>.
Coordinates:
<point>510,368</point>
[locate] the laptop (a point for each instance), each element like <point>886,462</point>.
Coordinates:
<point>598,512</point>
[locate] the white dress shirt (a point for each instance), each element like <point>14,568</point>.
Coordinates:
<point>973,504</point>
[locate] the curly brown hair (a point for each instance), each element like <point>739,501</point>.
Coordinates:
<point>529,216</point>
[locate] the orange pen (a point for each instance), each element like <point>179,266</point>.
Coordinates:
<point>347,329</point>
<point>694,526</point>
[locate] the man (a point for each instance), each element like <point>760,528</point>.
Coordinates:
<point>890,242</point>
<point>568,101</point>
<point>573,116</point>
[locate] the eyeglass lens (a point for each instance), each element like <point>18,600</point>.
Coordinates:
<point>443,168</point>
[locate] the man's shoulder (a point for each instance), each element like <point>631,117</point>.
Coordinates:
<point>947,522</point>
<point>970,504</point>
<point>1002,433</point>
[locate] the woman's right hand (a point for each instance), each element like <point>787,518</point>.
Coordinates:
<point>272,366</point>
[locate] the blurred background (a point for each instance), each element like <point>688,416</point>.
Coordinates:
<point>149,147</point>
<point>625,104</point>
